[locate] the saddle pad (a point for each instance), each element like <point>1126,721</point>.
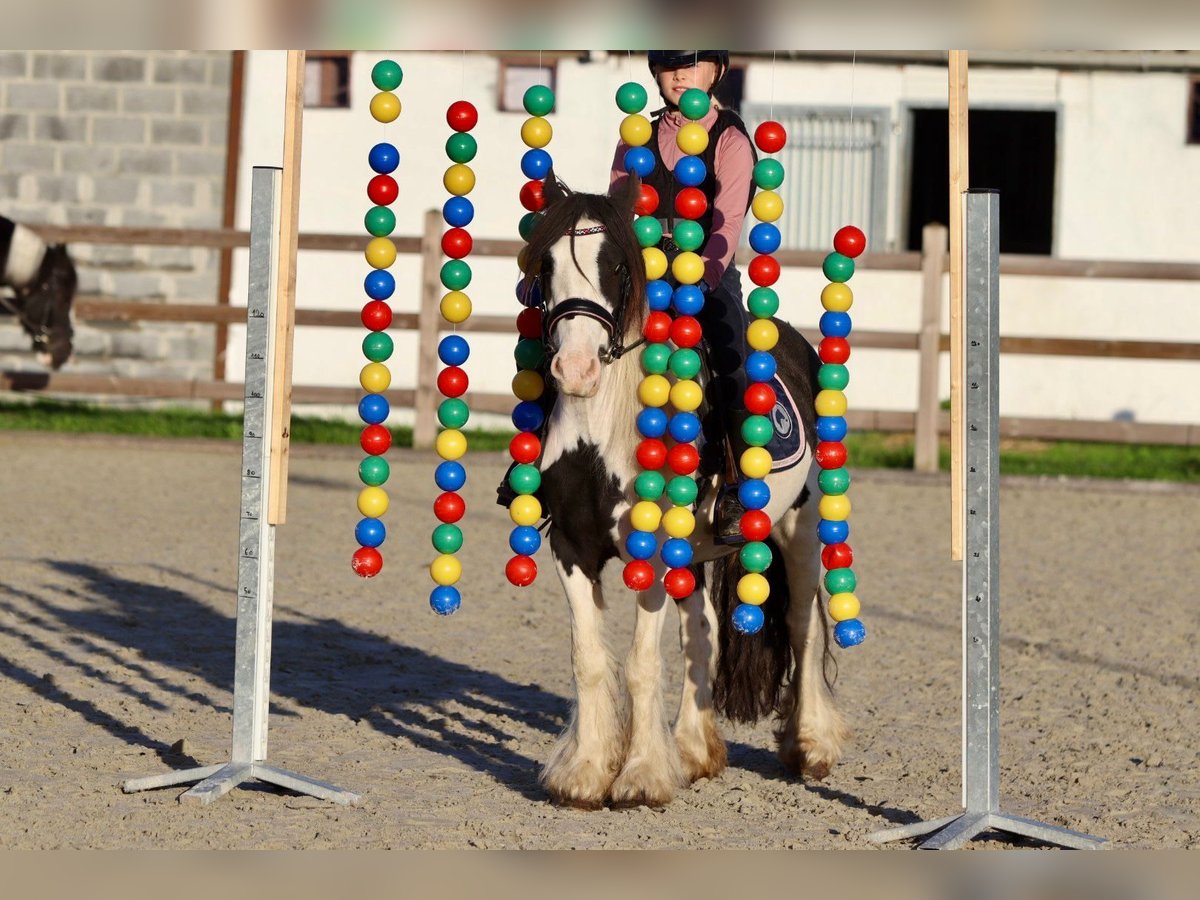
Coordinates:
<point>787,444</point>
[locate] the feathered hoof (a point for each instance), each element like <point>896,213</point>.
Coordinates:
<point>812,758</point>
<point>578,786</point>
<point>703,755</point>
<point>639,786</point>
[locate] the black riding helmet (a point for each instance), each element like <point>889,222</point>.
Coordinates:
<point>673,59</point>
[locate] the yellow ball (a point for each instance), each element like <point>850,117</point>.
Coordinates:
<point>446,569</point>
<point>385,107</point>
<point>843,607</point>
<point>372,502</point>
<point>528,385</point>
<point>635,130</point>
<point>830,403</point>
<point>645,516</point>
<point>381,253</point>
<point>451,444</point>
<point>654,390</point>
<point>687,267</point>
<point>686,395</point>
<point>526,509</point>
<point>767,206</point>
<point>459,179</point>
<point>655,261</point>
<point>837,297</point>
<point>763,334</point>
<point>679,522</point>
<point>835,507</point>
<point>375,378</point>
<point>692,138</point>
<point>536,132</point>
<point>455,307</point>
<point>756,462</point>
<point>753,588</point>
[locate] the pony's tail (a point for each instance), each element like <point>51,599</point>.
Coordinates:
<point>751,668</point>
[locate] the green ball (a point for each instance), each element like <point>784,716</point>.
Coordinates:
<point>755,556</point>
<point>685,363</point>
<point>453,413</point>
<point>529,222</point>
<point>631,97</point>
<point>380,221</point>
<point>377,346</point>
<point>456,274</point>
<point>838,268</point>
<point>524,478</point>
<point>538,100</point>
<point>834,481</point>
<point>757,431</point>
<point>694,103</point>
<point>374,470</point>
<point>530,353</point>
<point>447,538</point>
<point>833,377</point>
<point>649,485</point>
<point>682,490</point>
<point>688,235</point>
<point>768,173</point>
<point>648,231</point>
<point>840,581</point>
<point>763,302</point>
<point>461,147</point>
<point>655,358</point>
<point>387,75</point>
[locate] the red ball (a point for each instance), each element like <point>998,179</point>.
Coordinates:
<point>756,525</point>
<point>850,241</point>
<point>759,398</point>
<point>529,322</point>
<point>452,381</point>
<point>764,270</point>
<point>683,459</point>
<point>449,507</point>
<point>691,203</point>
<point>461,115</point>
<point>524,447</point>
<point>770,137</point>
<point>639,575</point>
<point>531,195</point>
<point>375,440</point>
<point>657,328</point>
<point>830,454</point>
<point>366,562</point>
<point>651,453</point>
<point>456,243</point>
<point>837,556</point>
<point>647,201</point>
<point>521,571</point>
<point>686,332</point>
<point>833,350</point>
<point>382,190</point>
<point>680,583</point>
<point>376,315</point>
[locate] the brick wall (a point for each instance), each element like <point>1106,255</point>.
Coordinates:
<point>102,138</point>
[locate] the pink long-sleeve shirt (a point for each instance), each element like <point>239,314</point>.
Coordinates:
<point>734,163</point>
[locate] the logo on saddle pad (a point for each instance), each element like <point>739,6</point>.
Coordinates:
<point>787,442</point>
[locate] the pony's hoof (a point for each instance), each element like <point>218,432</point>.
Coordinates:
<point>640,787</point>
<point>809,758</point>
<point>702,755</point>
<point>582,786</point>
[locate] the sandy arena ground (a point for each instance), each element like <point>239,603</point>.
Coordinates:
<point>117,583</point>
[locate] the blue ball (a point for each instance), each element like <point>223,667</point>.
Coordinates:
<point>641,544</point>
<point>379,284</point>
<point>525,540</point>
<point>684,427</point>
<point>676,552</point>
<point>384,158</point>
<point>830,531</point>
<point>747,619</point>
<point>688,299</point>
<point>690,171</point>
<point>849,633</point>
<point>639,160</point>
<point>536,164</point>
<point>760,366</point>
<point>370,532</point>
<point>754,493</point>
<point>765,238</point>
<point>835,324</point>
<point>528,416</point>
<point>831,428</point>
<point>373,409</point>
<point>450,475</point>
<point>458,212</point>
<point>445,600</point>
<point>531,296</point>
<point>651,422</point>
<point>658,295</point>
<point>453,350</point>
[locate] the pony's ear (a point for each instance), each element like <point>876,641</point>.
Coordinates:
<point>625,194</point>
<point>554,190</point>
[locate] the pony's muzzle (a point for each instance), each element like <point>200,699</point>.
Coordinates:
<point>577,373</point>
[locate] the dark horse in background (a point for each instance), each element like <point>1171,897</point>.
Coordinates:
<point>619,746</point>
<point>39,295</point>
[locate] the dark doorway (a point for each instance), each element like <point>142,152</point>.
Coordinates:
<point>1012,151</point>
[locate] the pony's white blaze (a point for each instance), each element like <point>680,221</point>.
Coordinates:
<point>576,366</point>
